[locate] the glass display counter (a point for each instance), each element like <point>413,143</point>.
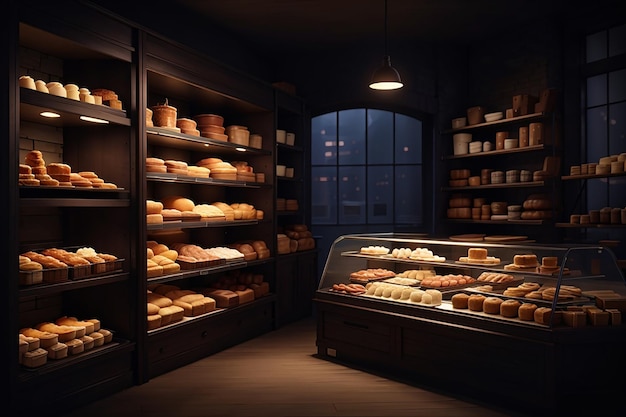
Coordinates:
<point>534,328</point>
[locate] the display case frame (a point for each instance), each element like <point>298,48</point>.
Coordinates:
<point>529,367</point>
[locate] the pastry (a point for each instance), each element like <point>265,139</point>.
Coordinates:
<point>509,308</point>
<point>526,311</point>
<point>475,302</point>
<point>491,305</point>
<point>460,300</point>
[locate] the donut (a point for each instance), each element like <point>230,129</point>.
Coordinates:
<point>460,300</point>
<point>475,302</point>
<point>526,311</point>
<point>530,286</point>
<point>509,308</point>
<point>491,305</point>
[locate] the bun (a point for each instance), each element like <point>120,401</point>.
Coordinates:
<point>178,203</point>
<point>153,207</point>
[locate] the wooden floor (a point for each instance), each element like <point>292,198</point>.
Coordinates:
<point>278,374</point>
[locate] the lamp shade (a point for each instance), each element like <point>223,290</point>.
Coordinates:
<point>386,77</point>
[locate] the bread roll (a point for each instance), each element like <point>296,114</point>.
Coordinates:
<point>153,207</point>
<point>179,203</point>
<point>460,300</point>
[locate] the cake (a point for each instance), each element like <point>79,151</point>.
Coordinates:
<point>479,256</point>
<point>523,262</point>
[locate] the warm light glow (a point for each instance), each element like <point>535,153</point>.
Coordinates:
<point>93,120</point>
<point>49,114</point>
<point>386,85</point>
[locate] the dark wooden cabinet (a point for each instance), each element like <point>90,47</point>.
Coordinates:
<point>81,43</point>
<point>50,46</point>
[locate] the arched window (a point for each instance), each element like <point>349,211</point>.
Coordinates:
<point>366,170</point>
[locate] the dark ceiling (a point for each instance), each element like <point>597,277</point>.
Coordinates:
<point>312,24</point>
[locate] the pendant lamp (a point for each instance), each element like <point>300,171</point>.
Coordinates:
<point>386,77</point>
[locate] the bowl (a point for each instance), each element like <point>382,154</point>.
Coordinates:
<point>475,115</point>
<point>492,117</point>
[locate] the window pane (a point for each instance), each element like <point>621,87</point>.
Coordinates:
<point>617,86</point>
<point>408,204</point>
<point>324,139</point>
<point>617,128</point>
<point>597,196</point>
<point>352,137</point>
<point>617,41</point>
<point>379,137</point>
<point>352,192</point>
<point>596,90</point>
<point>324,195</point>
<point>380,194</point>
<point>408,140</point>
<point>596,46</point>
<point>597,142</point>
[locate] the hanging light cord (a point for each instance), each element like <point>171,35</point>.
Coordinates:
<point>386,52</point>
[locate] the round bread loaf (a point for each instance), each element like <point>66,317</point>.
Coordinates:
<point>179,203</point>
<point>153,207</point>
<point>526,311</point>
<point>475,302</point>
<point>509,308</point>
<point>460,300</point>
<point>491,305</point>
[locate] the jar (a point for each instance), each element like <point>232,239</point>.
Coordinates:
<point>497,177</point>
<point>535,134</point>
<point>525,175</point>
<point>499,207</point>
<point>523,136</point>
<point>500,137</point>
<point>512,176</point>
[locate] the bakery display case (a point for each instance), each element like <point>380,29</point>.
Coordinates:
<point>387,301</point>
